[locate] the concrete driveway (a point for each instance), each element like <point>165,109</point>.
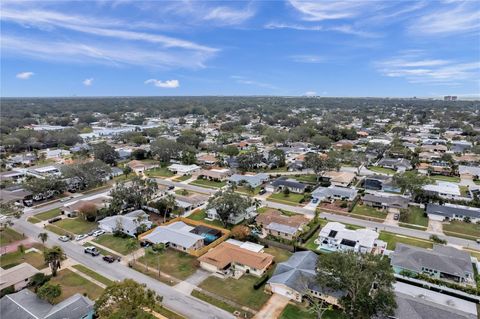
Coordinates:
<point>390,219</point>
<point>273,308</point>
<point>435,226</point>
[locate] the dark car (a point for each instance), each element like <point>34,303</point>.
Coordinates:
<point>109,259</point>
<point>144,244</point>
<point>171,187</point>
<point>262,191</point>
<point>396,216</point>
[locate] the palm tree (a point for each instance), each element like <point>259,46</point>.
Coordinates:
<point>43,238</point>
<point>169,202</point>
<point>132,244</point>
<point>54,257</point>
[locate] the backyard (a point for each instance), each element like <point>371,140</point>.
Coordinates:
<point>307,178</point>
<point>201,214</point>
<point>15,258</point>
<point>368,211</point>
<point>8,236</point>
<point>73,283</point>
<point>290,199</point>
<point>208,183</point>
<point>159,172</point>
<point>175,263</point>
<point>49,214</point>
<point>116,243</point>
<point>461,229</point>
<point>392,239</point>
<point>414,215</point>
<point>280,255</point>
<point>76,225</point>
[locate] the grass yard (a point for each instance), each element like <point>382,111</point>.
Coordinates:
<point>382,170</point>
<point>477,181</point>
<point>307,178</point>
<point>208,183</point>
<point>15,258</point>
<point>115,243</point>
<point>237,290</point>
<point>453,179</point>
<point>200,215</point>
<point>159,172</point>
<point>469,230</point>
<point>220,304</point>
<point>8,236</point>
<point>292,311</point>
<point>416,216</point>
<point>33,220</point>
<point>49,214</point>
<point>175,263</point>
<point>280,255</point>
<point>244,190</point>
<point>264,209</point>
<point>310,244</point>
<point>464,191</point>
<point>57,230</point>
<point>76,225</point>
<point>291,199</point>
<point>368,211</point>
<point>183,178</point>
<point>392,240</point>
<point>93,274</point>
<point>73,283</point>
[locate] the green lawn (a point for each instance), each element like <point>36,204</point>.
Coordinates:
<point>464,190</point>
<point>8,236</point>
<point>244,190</point>
<point>200,215</point>
<point>392,239</point>
<point>280,255</point>
<point>414,215</point>
<point>93,274</point>
<point>115,243</point>
<point>262,210</point>
<point>453,179</point>
<point>469,230</point>
<point>73,283</point>
<point>15,258</point>
<point>477,181</point>
<point>33,220</point>
<point>183,178</point>
<point>49,214</point>
<point>220,304</point>
<point>159,172</point>
<point>307,178</point>
<point>291,199</point>
<point>292,311</point>
<point>207,183</point>
<point>368,211</point>
<point>175,263</point>
<point>57,230</point>
<point>238,290</point>
<point>310,244</point>
<point>76,225</point>
<point>382,170</point>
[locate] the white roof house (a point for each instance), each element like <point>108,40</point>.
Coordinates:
<point>336,237</point>
<point>253,180</point>
<point>127,223</point>
<point>247,245</point>
<point>234,219</point>
<point>444,189</point>
<point>183,169</point>
<point>177,234</point>
<point>334,192</point>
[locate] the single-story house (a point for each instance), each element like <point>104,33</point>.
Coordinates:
<point>207,159</point>
<point>277,224</point>
<point>297,277</point>
<point>234,219</point>
<point>434,148</point>
<point>234,258</point>
<point>181,169</point>
<point>177,235</point>
<point>398,164</point>
<point>460,146</point>
<point>334,192</point>
<point>283,183</point>
<point>342,179</point>
<point>99,201</point>
<point>444,189</point>
<point>44,172</point>
<point>336,237</point>
<point>26,305</point>
<point>55,154</point>
<point>215,174</point>
<point>441,262</point>
<point>17,277</point>
<point>15,176</point>
<point>188,203</point>
<point>253,180</point>
<point>450,212</point>
<point>127,224</point>
<point>139,166</point>
<point>380,182</point>
<point>385,202</point>
<point>472,172</point>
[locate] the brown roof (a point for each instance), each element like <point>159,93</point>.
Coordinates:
<point>227,253</point>
<point>99,202</point>
<point>207,158</point>
<point>276,216</point>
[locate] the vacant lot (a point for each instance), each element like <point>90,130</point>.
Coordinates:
<point>453,179</point>
<point>49,214</point>
<point>76,225</point>
<point>175,263</point>
<point>392,240</point>
<point>115,243</point>
<point>457,228</point>
<point>73,283</point>
<point>368,211</point>
<point>8,236</point>
<point>220,304</point>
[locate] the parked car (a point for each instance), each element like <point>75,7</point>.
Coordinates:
<point>110,259</point>
<point>80,237</point>
<point>90,233</point>
<point>92,251</point>
<point>315,200</point>
<point>64,238</point>
<point>144,244</point>
<point>396,216</point>
<point>53,220</point>
<point>171,187</point>
<point>262,191</point>
<point>98,233</point>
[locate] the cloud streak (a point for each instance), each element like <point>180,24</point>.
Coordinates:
<point>88,82</point>
<point>24,75</point>
<point>168,84</point>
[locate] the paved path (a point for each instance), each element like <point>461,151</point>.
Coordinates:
<point>189,284</point>
<point>273,308</point>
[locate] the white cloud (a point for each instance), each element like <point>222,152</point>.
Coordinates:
<point>310,93</point>
<point>328,10</point>
<point>168,84</point>
<point>24,75</point>
<point>88,82</point>
<point>306,58</point>
<point>227,15</point>
<point>346,29</point>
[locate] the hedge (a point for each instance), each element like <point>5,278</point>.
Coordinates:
<point>259,283</point>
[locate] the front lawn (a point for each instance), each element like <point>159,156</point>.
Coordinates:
<point>8,236</point>
<point>280,255</point>
<point>73,283</point>
<point>245,190</point>
<point>219,303</point>
<point>49,214</point>
<point>452,179</point>
<point>183,178</point>
<point>208,183</point>
<point>293,311</point>
<point>57,230</point>
<point>159,172</point>
<point>365,210</point>
<point>290,199</point>
<point>76,225</point>
<point>392,240</point>
<point>382,170</point>
<point>201,214</point>
<point>115,243</point>
<point>175,263</point>
<point>469,230</point>
<point>15,258</point>
<point>93,274</point>
<point>307,178</point>
<point>414,215</point>
<point>239,291</point>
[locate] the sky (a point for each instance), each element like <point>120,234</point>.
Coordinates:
<point>291,48</point>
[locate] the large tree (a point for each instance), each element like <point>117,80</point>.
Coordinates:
<point>276,157</point>
<point>88,174</point>
<point>45,187</point>
<point>134,194</point>
<point>126,299</point>
<point>411,181</point>
<point>365,279</point>
<point>165,150</point>
<point>319,165</point>
<point>105,153</point>
<point>248,161</point>
<point>49,292</point>
<point>228,203</point>
<point>54,257</point>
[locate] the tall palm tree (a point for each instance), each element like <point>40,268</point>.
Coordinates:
<point>132,244</point>
<point>43,238</point>
<point>54,257</point>
<point>169,202</point>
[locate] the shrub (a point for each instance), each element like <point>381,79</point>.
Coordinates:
<point>437,240</point>
<point>262,280</point>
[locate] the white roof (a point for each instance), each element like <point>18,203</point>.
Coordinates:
<point>246,245</point>
<point>365,237</point>
<point>444,188</point>
<point>183,168</point>
<point>46,169</point>
<point>177,233</point>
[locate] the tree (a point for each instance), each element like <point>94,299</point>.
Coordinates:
<point>105,153</point>
<point>46,187</point>
<point>167,204</point>
<point>411,181</point>
<point>249,161</point>
<point>53,257</point>
<point>134,194</point>
<point>49,292</point>
<point>132,244</point>
<point>191,138</point>
<point>126,299</point>
<point>276,157</point>
<point>366,279</point>
<point>240,232</point>
<point>165,150</point>
<point>231,150</point>
<point>318,164</point>
<point>321,141</point>
<point>88,211</point>
<point>228,204</point>
<point>87,175</point>
<point>127,170</point>
<point>43,237</point>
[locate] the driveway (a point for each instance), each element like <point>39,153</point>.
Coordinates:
<point>193,281</point>
<point>273,308</point>
<point>435,226</point>
<point>390,219</point>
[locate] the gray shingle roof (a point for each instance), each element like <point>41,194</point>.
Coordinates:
<point>449,211</point>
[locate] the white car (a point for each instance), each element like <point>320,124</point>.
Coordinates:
<point>98,233</point>
<point>64,238</point>
<point>80,237</point>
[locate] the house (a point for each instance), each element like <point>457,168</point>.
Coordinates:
<point>341,179</point>
<point>234,219</point>
<point>451,212</point>
<point>188,203</point>
<point>398,164</point>
<point>460,146</point>
<point>380,182</point>
<point>445,190</point>
<point>140,167</point>
<point>334,193</point>
<point>385,202</point>
<point>15,194</point>
<point>344,145</point>
<point>55,154</point>
<point>469,172</point>
<point>297,277</point>
<point>43,172</point>
<point>337,237</point>
<point>26,305</point>
<point>434,148</point>
<point>17,277</point>
<point>21,160</point>
<point>441,262</point>
<point>254,180</point>
<point>99,201</point>
<point>182,170</point>
<point>282,183</point>
<point>207,159</point>
<point>215,174</point>
<point>234,258</point>
<point>277,224</point>
<point>127,224</point>
<point>177,235</point>
<point>15,176</point>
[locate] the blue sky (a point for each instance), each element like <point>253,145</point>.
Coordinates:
<point>326,48</point>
